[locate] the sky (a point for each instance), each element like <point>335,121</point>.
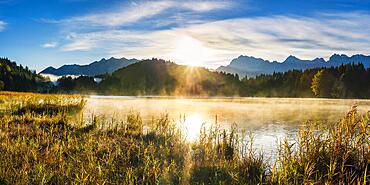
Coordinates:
<point>209,33</point>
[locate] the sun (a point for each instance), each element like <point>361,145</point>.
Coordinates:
<point>190,51</point>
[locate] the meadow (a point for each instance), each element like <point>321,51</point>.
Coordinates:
<point>45,140</point>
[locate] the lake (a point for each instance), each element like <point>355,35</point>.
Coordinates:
<point>269,119</point>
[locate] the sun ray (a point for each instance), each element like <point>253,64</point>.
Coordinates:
<point>190,51</point>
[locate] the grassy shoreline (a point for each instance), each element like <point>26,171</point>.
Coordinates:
<point>43,142</point>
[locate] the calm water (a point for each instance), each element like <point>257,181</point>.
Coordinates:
<point>270,119</point>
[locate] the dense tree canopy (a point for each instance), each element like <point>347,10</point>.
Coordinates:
<point>345,81</point>
<point>17,78</point>
<point>159,77</point>
<point>81,84</point>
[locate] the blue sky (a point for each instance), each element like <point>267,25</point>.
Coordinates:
<point>207,33</point>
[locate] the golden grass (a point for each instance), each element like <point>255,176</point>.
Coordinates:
<point>41,142</point>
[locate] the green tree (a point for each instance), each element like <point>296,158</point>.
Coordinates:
<point>315,85</point>
<point>1,85</point>
<point>85,84</point>
<point>322,83</point>
<point>338,89</point>
<point>17,78</point>
<point>66,84</point>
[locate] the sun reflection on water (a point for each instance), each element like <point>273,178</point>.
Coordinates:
<point>269,119</point>
<point>193,124</point>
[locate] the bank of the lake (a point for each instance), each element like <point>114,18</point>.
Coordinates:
<point>61,139</point>
<point>269,119</point>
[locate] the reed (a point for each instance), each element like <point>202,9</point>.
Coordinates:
<point>338,154</point>
<point>44,140</point>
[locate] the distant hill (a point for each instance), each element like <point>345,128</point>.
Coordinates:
<point>159,77</point>
<point>251,66</point>
<point>96,68</point>
<point>17,78</point>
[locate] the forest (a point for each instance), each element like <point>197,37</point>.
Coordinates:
<point>344,81</point>
<point>17,78</point>
<point>160,77</point>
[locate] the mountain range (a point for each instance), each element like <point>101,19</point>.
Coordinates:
<point>159,77</point>
<point>243,65</point>
<point>251,66</point>
<point>96,68</point>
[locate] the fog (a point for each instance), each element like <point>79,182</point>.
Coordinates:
<point>269,119</point>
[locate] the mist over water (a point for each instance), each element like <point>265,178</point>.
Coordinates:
<point>269,119</point>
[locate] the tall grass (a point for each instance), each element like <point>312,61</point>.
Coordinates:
<point>222,157</point>
<point>42,142</point>
<point>39,148</point>
<point>337,155</point>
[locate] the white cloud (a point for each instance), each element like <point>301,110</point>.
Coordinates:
<point>217,42</point>
<point>2,25</point>
<point>133,12</point>
<point>50,45</point>
<point>124,14</point>
<point>205,6</point>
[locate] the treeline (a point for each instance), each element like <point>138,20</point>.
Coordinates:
<point>156,77</point>
<point>81,84</point>
<point>17,78</point>
<point>159,77</point>
<point>345,81</point>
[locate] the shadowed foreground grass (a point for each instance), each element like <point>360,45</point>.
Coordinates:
<point>42,141</point>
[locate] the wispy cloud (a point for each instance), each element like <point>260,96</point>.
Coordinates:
<point>50,45</point>
<point>205,6</point>
<point>2,25</point>
<point>132,12</point>
<point>124,15</point>
<point>273,38</point>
